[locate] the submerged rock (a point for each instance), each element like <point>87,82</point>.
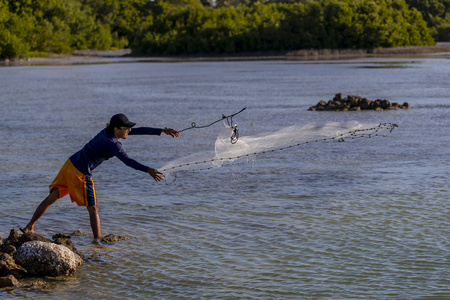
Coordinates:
<point>8,281</point>
<point>78,232</point>
<point>61,236</point>
<point>356,103</point>
<point>47,259</point>
<point>111,238</point>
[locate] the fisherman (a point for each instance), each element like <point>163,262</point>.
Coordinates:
<point>75,179</point>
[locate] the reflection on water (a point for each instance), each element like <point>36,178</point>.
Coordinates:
<point>360,219</point>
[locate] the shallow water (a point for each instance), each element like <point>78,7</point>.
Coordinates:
<point>362,219</point>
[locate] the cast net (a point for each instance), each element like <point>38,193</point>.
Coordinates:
<point>229,148</point>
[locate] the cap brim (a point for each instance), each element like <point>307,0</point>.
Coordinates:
<point>130,124</point>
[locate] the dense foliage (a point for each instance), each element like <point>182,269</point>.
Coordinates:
<point>285,26</point>
<point>37,27</point>
<point>437,14</point>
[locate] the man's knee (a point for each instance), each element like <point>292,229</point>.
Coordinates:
<point>52,197</point>
<point>93,210</point>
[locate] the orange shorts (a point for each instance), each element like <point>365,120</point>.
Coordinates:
<point>80,187</point>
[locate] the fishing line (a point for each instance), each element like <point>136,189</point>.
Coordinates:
<point>248,147</point>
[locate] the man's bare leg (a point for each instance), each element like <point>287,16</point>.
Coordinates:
<point>95,221</point>
<point>40,210</point>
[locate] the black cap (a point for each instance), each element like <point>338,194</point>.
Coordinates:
<point>120,120</point>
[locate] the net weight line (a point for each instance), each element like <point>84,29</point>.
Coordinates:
<point>358,133</point>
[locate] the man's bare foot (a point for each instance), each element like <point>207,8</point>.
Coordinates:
<point>27,230</point>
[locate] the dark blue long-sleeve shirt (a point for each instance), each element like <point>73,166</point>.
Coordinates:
<point>104,146</point>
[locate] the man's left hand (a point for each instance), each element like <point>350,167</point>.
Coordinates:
<point>171,132</point>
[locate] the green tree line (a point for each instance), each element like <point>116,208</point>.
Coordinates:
<point>437,15</point>
<point>39,27</point>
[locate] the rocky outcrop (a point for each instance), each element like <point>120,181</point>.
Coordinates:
<point>30,254</point>
<point>47,259</point>
<point>356,103</point>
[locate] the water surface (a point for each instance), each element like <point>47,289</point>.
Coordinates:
<point>361,219</point>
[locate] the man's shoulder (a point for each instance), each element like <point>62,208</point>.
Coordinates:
<point>108,139</point>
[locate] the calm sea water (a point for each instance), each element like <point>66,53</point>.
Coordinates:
<point>362,219</point>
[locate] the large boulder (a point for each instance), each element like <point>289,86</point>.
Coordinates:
<point>47,259</point>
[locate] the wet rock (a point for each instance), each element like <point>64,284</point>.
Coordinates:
<point>8,281</point>
<point>13,237</point>
<point>111,238</point>
<point>337,97</point>
<point>365,103</point>
<point>385,104</point>
<point>34,283</point>
<point>30,237</point>
<point>9,249</point>
<point>355,103</point>
<point>47,259</point>
<point>61,236</point>
<point>8,266</point>
<point>69,244</point>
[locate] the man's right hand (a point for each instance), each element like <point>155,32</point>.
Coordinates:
<point>155,174</point>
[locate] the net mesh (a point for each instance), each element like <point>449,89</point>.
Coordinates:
<point>246,148</point>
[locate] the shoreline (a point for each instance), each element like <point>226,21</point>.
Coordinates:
<point>125,56</point>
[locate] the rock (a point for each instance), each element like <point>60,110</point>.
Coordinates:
<point>8,281</point>
<point>365,103</point>
<point>78,232</point>
<point>385,104</point>
<point>111,238</point>
<point>8,266</point>
<point>29,237</point>
<point>321,103</point>
<point>9,249</point>
<point>337,97</point>
<point>61,235</point>
<point>355,103</point>
<point>47,259</point>
<point>34,283</point>
<point>13,237</point>
<point>69,244</point>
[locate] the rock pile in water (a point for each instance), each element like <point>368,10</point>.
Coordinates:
<point>112,238</point>
<point>356,103</point>
<point>30,255</point>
